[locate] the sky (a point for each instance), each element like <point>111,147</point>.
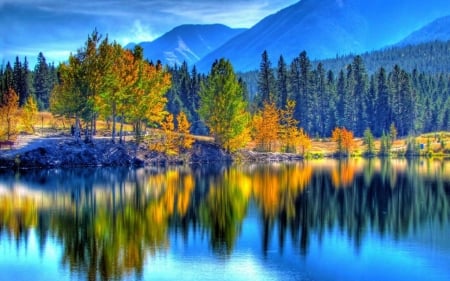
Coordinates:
<point>59,27</point>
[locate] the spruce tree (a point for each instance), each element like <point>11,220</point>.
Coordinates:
<point>266,81</point>
<point>282,84</point>
<point>41,82</point>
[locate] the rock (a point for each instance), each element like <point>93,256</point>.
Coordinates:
<point>68,153</point>
<point>208,152</point>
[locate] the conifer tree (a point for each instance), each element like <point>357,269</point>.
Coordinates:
<point>266,81</point>
<point>41,82</point>
<point>282,84</point>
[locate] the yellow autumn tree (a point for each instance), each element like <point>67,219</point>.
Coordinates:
<point>290,135</point>
<point>301,140</point>
<point>148,95</point>
<point>266,126</point>
<point>185,139</point>
<point>9,115</point>
<point>170,141</point>
<point>29,112</point>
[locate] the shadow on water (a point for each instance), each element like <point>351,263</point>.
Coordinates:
<point>109,220</point>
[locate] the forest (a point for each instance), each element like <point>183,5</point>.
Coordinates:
<point>277,107</point>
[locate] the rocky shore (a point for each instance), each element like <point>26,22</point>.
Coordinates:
<point>66,152</point>
<point>69,153</point>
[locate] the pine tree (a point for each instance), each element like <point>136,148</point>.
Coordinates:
<point>41,82</point>
<point>266,81</point>
<point>7,81</point>
<point>369,142</point>
<point>282,84</point>
<point>382,105</point>
<point>360,95</point>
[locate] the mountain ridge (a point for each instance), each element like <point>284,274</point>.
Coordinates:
<point>325,29</point>
<point>188,42</point>
<point>437,30</point>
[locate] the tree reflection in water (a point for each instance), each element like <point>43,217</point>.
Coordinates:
<point>109,221</point>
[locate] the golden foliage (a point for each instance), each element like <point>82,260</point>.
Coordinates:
<point>9,115</point>
<point>266,126</point>
<point>170,141</point>
<point>29,114</point>
<point>185,139</point>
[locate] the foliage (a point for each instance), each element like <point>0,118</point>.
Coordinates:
<point>344,139</point>
<point>393,133</point>
<point>222,105</point>
<point>185,140</point>
<point>170,140</point>
<point>266,126</point>
<point>103,78</point>
<point>9,114</point>
<point>385,145</point>
<point>369,142</point>
<point>357,98</point>
<point>29,113</point>
<point>412,148</point>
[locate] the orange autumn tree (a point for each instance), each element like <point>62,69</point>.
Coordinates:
<point>344,140</point>
<point>266,126</point>
<point>9,114</point>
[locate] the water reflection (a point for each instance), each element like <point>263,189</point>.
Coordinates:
<point>109,221</point>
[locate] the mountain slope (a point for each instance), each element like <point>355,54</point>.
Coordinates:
<point>187,43</point>
<point>327,28</point>
<point>437,30</point>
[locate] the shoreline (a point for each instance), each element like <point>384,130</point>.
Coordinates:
<point>65,152</point>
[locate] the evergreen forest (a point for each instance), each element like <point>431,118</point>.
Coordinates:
<point>408,87</point>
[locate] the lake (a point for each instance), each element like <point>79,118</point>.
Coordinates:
<point>314,220</point>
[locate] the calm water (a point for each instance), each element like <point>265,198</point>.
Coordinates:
<point>317,220</point>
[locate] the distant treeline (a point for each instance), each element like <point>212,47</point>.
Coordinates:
<point>414,101</point>
<point>25,82</point>
<point>405,86</point>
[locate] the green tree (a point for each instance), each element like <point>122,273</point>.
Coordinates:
<point>282,83</point>
<point>266,81</point>
<point>42,82</point>
<point>222,104</point>
<point>369,142</point>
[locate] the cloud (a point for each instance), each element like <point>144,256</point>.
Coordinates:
<point>61,26</point>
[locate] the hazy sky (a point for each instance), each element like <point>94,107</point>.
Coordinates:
<point>58,27</point>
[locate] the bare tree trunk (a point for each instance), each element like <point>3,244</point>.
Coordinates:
<point>77,129</point>
<point>113,133</point>
<point>121,128</point>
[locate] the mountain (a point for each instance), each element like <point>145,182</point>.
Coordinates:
<point>187,43</point>
<point>326,28</point>
<point>438,30</point>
